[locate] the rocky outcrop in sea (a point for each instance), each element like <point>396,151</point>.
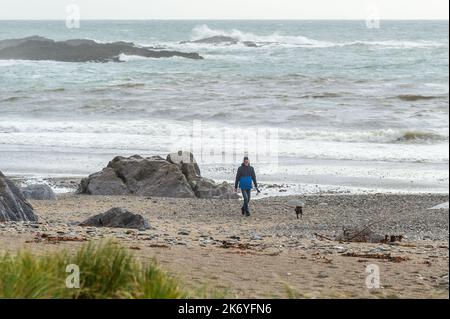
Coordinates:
<point>79,50</point>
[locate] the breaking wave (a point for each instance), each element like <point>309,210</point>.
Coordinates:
<point>203,32</point>
<point>376,136</point>
<point>409,136</point>
<point>127,58</point>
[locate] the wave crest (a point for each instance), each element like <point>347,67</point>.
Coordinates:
<point>389,136</point>
<point>203,32</point>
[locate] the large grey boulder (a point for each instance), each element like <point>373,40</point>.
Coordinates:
<point>174,176</point>
<point>106,182</point>
<point>13,206</point>
<point>117,218</point>
<point>136,175</point>
<point>38,192</point>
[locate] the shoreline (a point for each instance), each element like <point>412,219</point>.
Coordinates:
<point>295,174</point>
<point>63,184</point>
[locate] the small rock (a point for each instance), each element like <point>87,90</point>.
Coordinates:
<point>38,192</point>
<point>256,237</point>
<point>117,218</point>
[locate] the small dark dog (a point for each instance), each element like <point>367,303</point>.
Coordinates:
<point>299,211</point>
<point>298,205</point>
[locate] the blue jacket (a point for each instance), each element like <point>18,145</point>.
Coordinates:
<point>244,177</point>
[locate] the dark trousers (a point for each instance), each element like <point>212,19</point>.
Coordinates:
<point>246,194</point>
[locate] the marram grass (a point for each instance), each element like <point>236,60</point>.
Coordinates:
<point>107,271</point>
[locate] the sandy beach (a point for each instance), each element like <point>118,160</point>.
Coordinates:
<point>272,254</point>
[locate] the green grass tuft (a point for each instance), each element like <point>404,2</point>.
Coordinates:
<point>107,271</point>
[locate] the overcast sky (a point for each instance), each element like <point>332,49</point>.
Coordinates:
<point>226,9</point>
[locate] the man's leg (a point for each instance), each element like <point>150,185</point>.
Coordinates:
<point>249,195</point>
<point>245,205</point>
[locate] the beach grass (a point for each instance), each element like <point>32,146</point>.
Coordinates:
<point>106,271</point>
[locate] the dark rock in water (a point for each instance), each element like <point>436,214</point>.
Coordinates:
<point>15,42</point>
<point>218,39</point>
<point>222,39</point>
<point>117,218</point>
<point>154,176</point>
<point>13,206</point>
<point>38,192</point>
<point>78,50</point>
<point>250,44</point>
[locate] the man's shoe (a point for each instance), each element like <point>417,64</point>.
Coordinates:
<point>243,211</point>
<point>247,214</point>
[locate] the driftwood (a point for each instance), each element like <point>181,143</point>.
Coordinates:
<point>388,257</point>
<point>366,235</point>
<point>322,237</point>
<point>363,235</point>
<point>54,239</point>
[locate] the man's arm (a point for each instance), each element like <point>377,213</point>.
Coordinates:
<point>254,178</point>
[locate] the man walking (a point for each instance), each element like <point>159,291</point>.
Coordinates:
<point>245,177</point>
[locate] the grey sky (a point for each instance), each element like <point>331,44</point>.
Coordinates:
<point>226,9</point>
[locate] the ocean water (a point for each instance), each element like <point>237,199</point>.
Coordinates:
<point>354,108</point>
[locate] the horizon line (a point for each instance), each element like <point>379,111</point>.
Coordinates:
<point>228,19</point>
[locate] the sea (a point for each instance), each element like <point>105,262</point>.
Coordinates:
<point>344,106</point>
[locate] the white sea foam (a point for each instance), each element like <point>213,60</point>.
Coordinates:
<point>369,136</point>
<point>396,44</point>
<point>127,58</point>
<point>150,128</point>
<point>8,62</point>
<point>167,136</point>
<point>440,206</point>
<point>203,31</point>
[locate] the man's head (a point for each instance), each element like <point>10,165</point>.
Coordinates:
<point>246,161</point>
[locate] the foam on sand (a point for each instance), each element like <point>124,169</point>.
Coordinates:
<point>441,206</point>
